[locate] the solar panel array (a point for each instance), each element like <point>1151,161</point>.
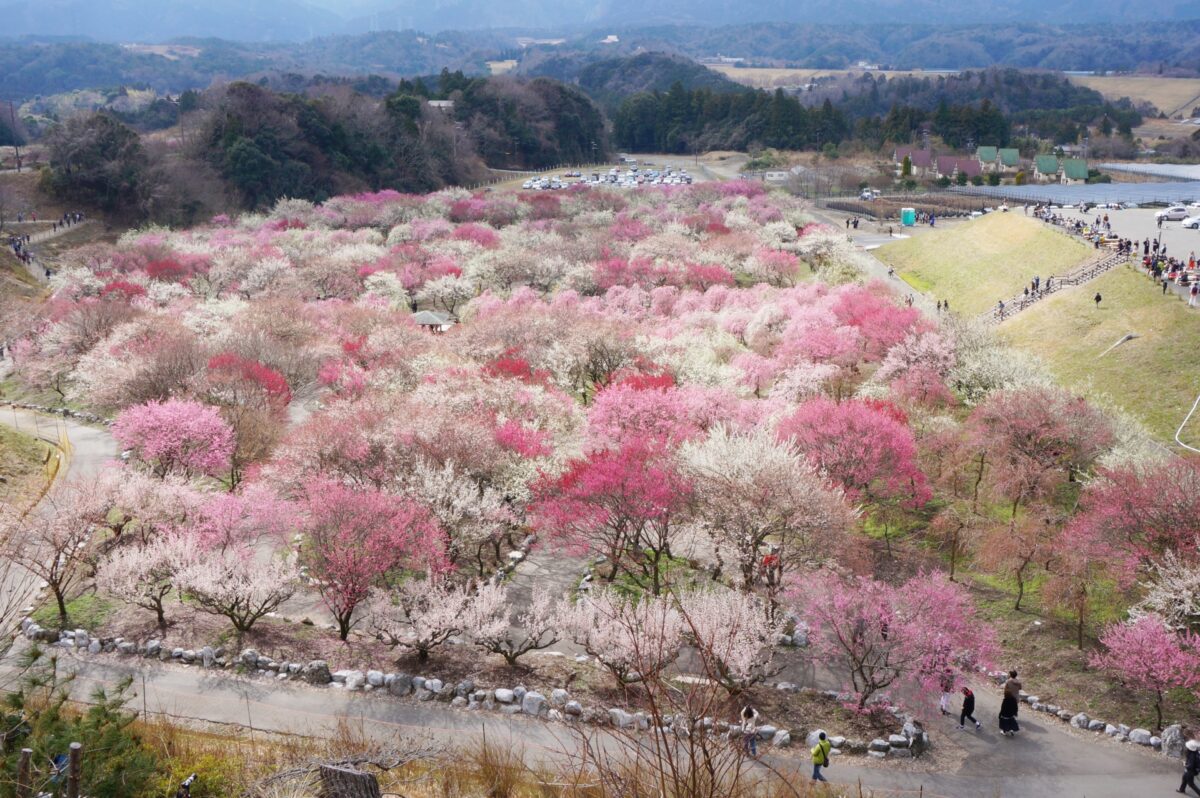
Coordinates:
<point>1183,186</point>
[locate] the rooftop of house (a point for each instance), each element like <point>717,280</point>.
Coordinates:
<point>1010,156</point>
<point>431,318</point>
<point>986,154</point>
<point>1046,164</point>
<point>1075,169</point>
<point>970,167</point>
<point>922,159</point>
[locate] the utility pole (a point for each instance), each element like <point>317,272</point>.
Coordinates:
<point>12,116</point>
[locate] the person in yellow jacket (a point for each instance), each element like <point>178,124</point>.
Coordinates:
<point>820,756</point>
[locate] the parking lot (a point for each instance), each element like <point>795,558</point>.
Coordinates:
<point>1139,224</point>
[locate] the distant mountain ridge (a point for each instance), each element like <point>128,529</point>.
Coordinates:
<point>297,20</point>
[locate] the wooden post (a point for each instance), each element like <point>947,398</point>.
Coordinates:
<point>23,780</point>
<point>339,782</point>
<point>74,769</point>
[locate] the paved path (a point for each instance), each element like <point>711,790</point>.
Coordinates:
<point>1047,761</point>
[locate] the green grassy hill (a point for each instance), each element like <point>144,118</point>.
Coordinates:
<point>1154,376</point>
<point>974,264</point>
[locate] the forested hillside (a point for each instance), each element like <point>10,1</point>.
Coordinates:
<point>972,107</point>
<point>245,146</point>
<point>610,80</point>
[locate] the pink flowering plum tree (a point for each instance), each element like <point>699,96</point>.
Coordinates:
<point>897,638</point>
<point>58,542</point>
<point>865,448</point>
<point>624,503</point>
<point>355,537</point>
<point>1149,657</point>
<point>1144,515</point>
<point>1036,439</point>
<point>176,436</point>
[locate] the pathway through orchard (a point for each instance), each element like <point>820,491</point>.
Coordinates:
<point>1048,759</point>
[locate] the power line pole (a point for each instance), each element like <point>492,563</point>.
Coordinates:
<point>12,115</point>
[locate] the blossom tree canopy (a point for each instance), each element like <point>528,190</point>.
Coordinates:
<point>176,436</point>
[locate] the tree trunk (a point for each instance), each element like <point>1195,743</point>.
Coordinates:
<point>60,599</point>
<point>1020,585</point>
<point>978,482</point>
<point>161,615</point>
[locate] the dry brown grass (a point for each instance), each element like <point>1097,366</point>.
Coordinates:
<point>1169,95</point>
<point>771,77</point>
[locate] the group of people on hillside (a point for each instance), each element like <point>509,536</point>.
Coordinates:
<point>821,752</point>
<point>1009,705</point>
<point>68,219</point>
<point>20,248</point>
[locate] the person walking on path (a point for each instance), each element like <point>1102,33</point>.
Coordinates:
<point>1192,294</point>
<point>1098,298</point>
<point>968,710</point>
<point>820,756</point>
<point>1009,706</point>
<point>947,684</point>
<point>1191,767</point>
<point>750,730</point>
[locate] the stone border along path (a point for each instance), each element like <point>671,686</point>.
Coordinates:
<point>910,741</point>
<point>1059,765</point>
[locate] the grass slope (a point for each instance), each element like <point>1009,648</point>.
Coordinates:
<point>1154,376</point>
<point>976,263</point>
<point>21,466</point>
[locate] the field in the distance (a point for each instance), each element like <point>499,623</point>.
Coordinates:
<point>1152,376</point>
<point>770,77</point>
<point>1170,95</point>
<point>974,264</point>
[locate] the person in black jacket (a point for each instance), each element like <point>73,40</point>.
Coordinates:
<point>968,709</point>
<point>1191,766</point>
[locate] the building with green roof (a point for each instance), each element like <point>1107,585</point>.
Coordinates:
<point>1010,158</point>
<point>1075,171</point>
<point>987,158</point>
<point>1045,169</point>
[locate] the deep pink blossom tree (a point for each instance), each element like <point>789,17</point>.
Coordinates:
<point>892,638</point>
<point>867,450</point>
<point>1143,515</point>
<point>1035,439</point>
<point>624,503</point>
<point>176,436</point>
<point>354,537</point>
<point>1148,656</point>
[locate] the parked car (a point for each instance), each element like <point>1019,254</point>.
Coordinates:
<point>1192,221</point>
<point>1173,214</point>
